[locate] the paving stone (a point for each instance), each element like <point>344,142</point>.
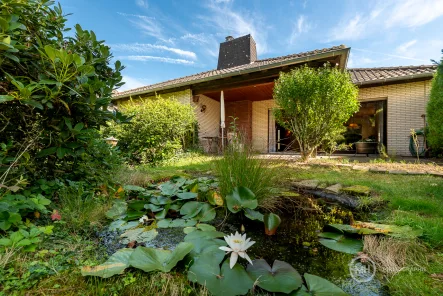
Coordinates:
<point>357,190</point>
<point>360,168</point>
<point>336,188</point>
<point>312,184</point>
<point>378,170</point>
<point>417,173</point>
<point>398,172</point>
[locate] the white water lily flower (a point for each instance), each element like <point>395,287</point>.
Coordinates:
<point>238,244</point>
<point>143,219</point>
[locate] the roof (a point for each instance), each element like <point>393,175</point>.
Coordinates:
<point>242,69</point>
<point>362,76</point>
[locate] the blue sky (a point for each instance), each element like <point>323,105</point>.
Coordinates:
<point>161,40</point>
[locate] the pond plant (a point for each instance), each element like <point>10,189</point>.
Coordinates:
<point>272,222</point>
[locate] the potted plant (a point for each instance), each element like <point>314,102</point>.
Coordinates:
<point>366,146</point>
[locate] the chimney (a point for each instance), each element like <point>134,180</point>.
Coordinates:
<point>237,51</point>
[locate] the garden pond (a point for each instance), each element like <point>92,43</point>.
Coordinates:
<point>295,242</point>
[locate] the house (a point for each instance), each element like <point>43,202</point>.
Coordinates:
<point>393,99</point>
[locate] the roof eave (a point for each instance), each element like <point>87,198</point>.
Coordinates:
<point>344,51</point>
<point>396,79</point>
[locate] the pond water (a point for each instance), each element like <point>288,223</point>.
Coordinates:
<point>295,242</point>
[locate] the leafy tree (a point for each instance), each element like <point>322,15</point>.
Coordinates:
<point>158,129</point>
<point>314,103</point>
<point>54,89</point>
<point>435,111</point>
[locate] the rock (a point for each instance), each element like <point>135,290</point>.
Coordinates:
<point>417,173</point>
<point>334,188</point>
<point>360,168</point>
<point>398,172</point>
<point>307,184</point>
<point>378,170</point>
<point>357,190</point>
<point>437,174</point>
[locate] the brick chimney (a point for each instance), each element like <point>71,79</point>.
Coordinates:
<point>237,51</point>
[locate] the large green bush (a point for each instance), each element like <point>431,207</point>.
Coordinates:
<point>159,128</point>
<point>54,94</point>
<point>314,103</point>
<point>435,111</point>
<point>54,89</point>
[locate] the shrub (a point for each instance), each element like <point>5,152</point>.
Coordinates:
<point>157,131</point>
<point>435,111</point>
<point>314,103</point>
<point>55,89</point>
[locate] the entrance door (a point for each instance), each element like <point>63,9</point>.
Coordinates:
<point>284,139</point>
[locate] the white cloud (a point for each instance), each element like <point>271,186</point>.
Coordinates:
<point>146,47</point>
<point>131,83</point>
<point>201,38</point>
<point>148,25</point>
<point>355,28</point>
<point>146,58</point>
<point>385,15</point>
<point>405,47</point>
<point>391,55</point>
<point>223,1</point>
<point>142,3</point>
<point>414,13</point>
<point>300,27</point>
<point>229,22</point>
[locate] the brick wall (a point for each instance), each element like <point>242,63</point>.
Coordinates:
<point>242,112</point>
<point>406,103</point>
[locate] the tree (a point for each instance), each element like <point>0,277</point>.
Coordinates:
<point>54,89</point>
<point>314,103</point>
<point>434,111</point>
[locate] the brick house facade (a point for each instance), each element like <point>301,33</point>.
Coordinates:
<point>248,85</point>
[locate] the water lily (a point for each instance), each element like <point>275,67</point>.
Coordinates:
<point>238,244</point>
<point>143,219</point>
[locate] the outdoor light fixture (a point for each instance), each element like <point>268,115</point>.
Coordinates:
<point>111,141</point>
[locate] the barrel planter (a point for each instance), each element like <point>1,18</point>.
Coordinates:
<point>366,148</point>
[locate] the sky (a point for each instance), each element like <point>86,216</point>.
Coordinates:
<point>166,39</point>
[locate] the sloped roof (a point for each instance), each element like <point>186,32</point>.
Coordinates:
<point>214,74</point>
<point>362,76</point>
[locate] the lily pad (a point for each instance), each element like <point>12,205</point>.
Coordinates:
<point>169,223</point>
<point>187,195</point>
<point>282,277</point>
<point>117,210</point>
<point>150,259</point>
<point>222,281</point>
<point>116,264</point>
<point>320,286</point>
<point>191,209</point>
<point>207,213</point>
<point>343,244</point>
<point>254,215</point>
<point>122,225</point>
<point>240,198</point>
<point>138,235</point>
<point>272,221</point>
